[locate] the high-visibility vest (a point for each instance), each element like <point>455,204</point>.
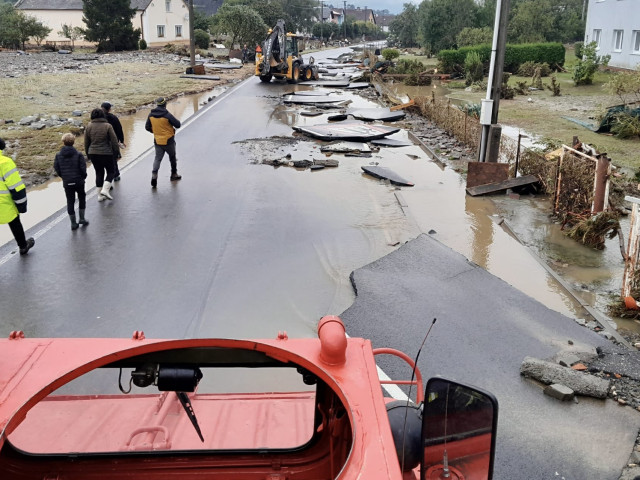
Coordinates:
<point>12,189</point>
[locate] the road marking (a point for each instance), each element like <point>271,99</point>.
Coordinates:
<point>131,164</point>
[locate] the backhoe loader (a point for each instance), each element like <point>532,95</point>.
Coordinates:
<point>280,58</point>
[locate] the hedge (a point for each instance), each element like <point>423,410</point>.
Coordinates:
<point>515,55</point>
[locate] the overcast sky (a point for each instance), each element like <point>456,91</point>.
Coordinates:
<point>394,6</point>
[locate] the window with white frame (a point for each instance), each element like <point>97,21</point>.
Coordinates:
<point>617,40</point>
<point>178,30</point>
<point>167,5</point>
<point>160,31</point>
<point>596,37</point>
<point>635,39</point>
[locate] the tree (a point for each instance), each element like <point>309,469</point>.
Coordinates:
<point>440,21</point>
<point>474,36</point>
<point>531,22</point>
<point>405,26</point>
<point>586,67</point>
<point>40,32</point>
<point>242,23</point>
<point>9,36</point>
<point>72,33</point>
<point>109,24</point>
<point>201,21</point>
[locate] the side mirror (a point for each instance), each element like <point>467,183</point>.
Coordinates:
<point>459,425</point>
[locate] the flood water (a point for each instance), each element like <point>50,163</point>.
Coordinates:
<point>595,275</point>
<point>438,203</point>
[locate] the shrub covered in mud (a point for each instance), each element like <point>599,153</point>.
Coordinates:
<point>528,69</point>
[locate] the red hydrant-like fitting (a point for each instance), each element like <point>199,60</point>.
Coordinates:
<point>333,340</point>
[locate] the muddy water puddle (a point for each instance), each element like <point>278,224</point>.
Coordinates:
<point>46,199</point>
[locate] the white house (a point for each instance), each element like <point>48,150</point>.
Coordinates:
<point>615,26</point>
<point>161,21</point>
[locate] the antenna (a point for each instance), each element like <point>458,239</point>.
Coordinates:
<point>413,372</point>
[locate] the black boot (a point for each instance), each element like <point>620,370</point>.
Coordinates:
<point>175,176</point>
<point>82,220</point>
<point>30,243</point>
<point>74,224</point>
<point>154,179</point>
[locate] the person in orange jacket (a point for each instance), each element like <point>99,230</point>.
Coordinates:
<point>163,126</point>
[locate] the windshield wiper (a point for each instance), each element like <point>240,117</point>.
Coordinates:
<point>186,404</point>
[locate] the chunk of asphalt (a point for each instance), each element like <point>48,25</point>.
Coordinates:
<point>550,373</point>
<point>568,360</point>
<point>559,391</point>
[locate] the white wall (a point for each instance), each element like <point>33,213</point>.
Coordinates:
<point>157,14</point>
<point>609,16</point>
<point>54,19</point>
<point>147,21</point>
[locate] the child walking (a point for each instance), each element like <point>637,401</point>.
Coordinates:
<point>71,166</point>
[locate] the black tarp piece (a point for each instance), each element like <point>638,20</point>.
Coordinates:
<point>371,114</point>
<point>386,174</point>
<point>358,131</point>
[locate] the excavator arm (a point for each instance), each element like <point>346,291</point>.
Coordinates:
<point>274,49</point>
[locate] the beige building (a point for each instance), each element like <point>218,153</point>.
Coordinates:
<point>160,21</point>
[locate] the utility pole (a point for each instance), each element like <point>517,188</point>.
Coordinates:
<point>192,41</point>
<point>321,19</point>
<point>344,19</point>
<point>489,111</point>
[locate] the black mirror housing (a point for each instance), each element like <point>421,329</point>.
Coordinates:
<point>459,426</point>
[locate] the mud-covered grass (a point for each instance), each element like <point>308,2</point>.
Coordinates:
<point>542,115</point>
<point>126,85</point>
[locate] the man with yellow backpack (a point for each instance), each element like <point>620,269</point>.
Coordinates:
<point>13,200</point>
<point>163,126</point>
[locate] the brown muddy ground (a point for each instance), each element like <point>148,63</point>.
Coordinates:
<point>68,87</point>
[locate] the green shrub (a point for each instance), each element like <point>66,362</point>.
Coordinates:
<point>586,67</point>
<point>201,39</point>
<point>528,69</point>
<point>506,91</point>
<point>578,48</point>
<point>142,44</point>
<point>390,53</point>
<point>515,55</point>
<point>407,67</point>
<point>472,109</point>
<point>473,68</point>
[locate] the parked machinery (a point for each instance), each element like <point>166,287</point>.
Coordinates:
<point>280,58</point>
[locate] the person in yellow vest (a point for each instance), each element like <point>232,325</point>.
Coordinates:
<point>13,200</point>
<point>163,126</point>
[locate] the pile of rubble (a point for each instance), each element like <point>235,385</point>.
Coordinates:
<point>15,65</point>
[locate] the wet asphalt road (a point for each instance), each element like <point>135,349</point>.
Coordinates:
<point>234,249</point>
<point>243,250</point>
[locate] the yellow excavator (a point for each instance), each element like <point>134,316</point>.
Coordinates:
<point>280,58</point>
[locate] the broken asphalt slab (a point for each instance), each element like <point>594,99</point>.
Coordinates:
<point>345,147</point>
<point>386,174</point>
<point>371,114</point>
<point>484,329</point>
<point>357,131</point>
<point>305,99</point>
<point>391,142</point>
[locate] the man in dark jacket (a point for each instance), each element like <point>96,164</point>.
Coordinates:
<point>163,126</point>
<point>71,166</point>
<point>117,127</point>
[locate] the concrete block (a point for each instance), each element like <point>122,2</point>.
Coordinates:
<point>548,373</point>
<point>559,391</point>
